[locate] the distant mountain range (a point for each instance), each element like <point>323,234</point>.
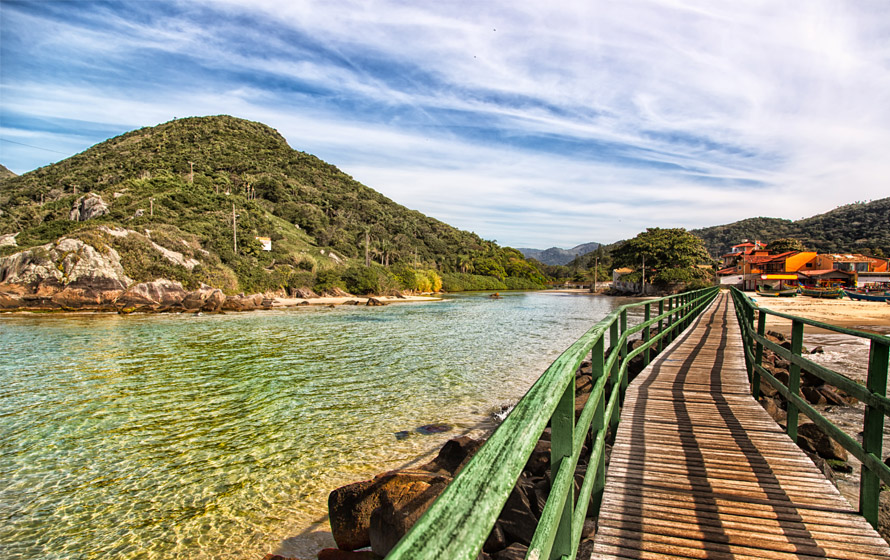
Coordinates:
<point>557,256</point>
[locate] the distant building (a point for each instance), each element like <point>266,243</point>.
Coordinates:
<point>266,242</point>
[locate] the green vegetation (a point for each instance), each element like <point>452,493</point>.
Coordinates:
<point>862,227</point>
<point>192,185</point>
<point>785,244</point>
<point>671,256</point>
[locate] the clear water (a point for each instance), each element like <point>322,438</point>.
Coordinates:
<point>220,436</point>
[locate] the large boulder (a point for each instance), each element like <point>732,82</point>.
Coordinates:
<point>242,302</point>
<point>453,456</point>
<point>153,295</point>
<point>87,207</point>
<point>67,273</point>
<point>398,512</point>
<point>350,507</point>
<point>811,438</point>
<point>204,299</point>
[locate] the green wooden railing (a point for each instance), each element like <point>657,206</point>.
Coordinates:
<point>752,320</point>
<point>459,521</point>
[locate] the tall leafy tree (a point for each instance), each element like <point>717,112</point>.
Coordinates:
<point>663,248</point>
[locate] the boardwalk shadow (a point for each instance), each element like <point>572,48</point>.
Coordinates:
<point>698,527</point>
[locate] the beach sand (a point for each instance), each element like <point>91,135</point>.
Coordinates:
<point>840,312</point>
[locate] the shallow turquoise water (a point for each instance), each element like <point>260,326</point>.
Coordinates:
<point>220,436</point>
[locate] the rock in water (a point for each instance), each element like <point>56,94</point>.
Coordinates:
<point>350,507</point>
<point>433,429</point>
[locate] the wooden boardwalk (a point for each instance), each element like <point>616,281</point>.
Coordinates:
<point>699,470</point>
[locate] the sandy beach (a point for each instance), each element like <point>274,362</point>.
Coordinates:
<point>841,312</point>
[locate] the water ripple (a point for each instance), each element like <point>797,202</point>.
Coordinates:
<point>220,436</point>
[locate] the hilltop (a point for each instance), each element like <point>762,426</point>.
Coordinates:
<point>162,199</point>
<point>858,227</point>
<point>5,173</point>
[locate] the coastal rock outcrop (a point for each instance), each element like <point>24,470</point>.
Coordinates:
<point>152,295</point>
<point>87,207</point>
<point>66,274</point>
<point>351,506</point>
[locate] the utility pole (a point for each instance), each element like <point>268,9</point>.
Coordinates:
<point>367,251</point>
<point>596,270</point>
<point>644,274</point>
<point>234,229</point>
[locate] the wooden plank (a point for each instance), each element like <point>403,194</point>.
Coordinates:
<point>699,470</point>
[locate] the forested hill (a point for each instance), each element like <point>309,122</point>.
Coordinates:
<point>5,173</point>
<point>858,227</point>
<point>180,181</point>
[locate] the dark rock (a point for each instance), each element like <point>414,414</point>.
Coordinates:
<point>397,513</point>
<point>580,403</point>
<point>433,429</point>
<point>583,384</point>
<point>402,435</point>
<point>304,293</point>
<point>454,455</point>
<point>337,554</point>
<point>773,408</point>
<point>539,498</point>
<point>817,350</point>
<point>374,302</point>
<point>832,395</point>
<point>496,540</point>
<point>767,390</point>
<point>517,518</point>
<point>811,438</point>
<point>776,337</point>
<point>808,379</point>
<point>813,396</point>
<point>840,466</point>
<point>350,507</point>
<point>539,460</point>
<point>352,302</point>
<point>515,551</point>
<point>782,363</point>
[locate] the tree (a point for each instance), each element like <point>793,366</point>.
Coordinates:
<point>662,248</point>
<point>785,244</point>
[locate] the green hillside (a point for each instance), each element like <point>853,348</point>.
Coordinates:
<point>177,184</point>
<point>859,227</point>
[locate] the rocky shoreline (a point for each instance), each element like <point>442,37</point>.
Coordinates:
<point>167,296</point>
<point>369,517</point>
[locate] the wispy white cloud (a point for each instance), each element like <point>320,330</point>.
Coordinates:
<point>531,124</point>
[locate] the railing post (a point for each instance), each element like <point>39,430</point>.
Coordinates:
<point>623,319</point>
<point>597,366</point>
<point>646,315</point>
<point>794,378</point>
<point>873,432</point>
<point>561,448</point>
<point>613,374</point>
<point>660,325</point>
<point>758,355</point>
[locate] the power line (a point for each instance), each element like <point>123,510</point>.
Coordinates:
<point>36,147</point>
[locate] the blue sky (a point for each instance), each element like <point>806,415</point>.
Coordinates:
<point>532,123</point>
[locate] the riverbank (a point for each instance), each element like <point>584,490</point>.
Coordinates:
<point>350,300</point>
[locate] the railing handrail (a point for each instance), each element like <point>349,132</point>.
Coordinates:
<point>873,394</point>
<point>457,524</point>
